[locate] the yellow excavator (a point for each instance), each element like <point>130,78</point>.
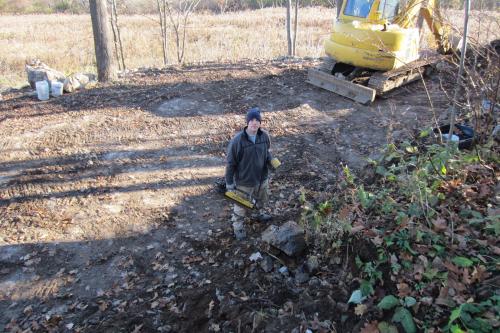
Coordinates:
<point>374,47</point>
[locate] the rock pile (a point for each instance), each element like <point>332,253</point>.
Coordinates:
<point>39,71</point>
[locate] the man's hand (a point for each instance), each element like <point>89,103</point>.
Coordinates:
<point>230,187</point>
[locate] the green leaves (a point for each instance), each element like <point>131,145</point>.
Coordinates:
<point>443,170</point>
<point>424,133</point>
<point>462,261</point>
<point>388,302</point>
<point>401,314</point>
<point>456,329</point>
<point>404,317</point>
<point>468,315</point>
<point>366,288</point>
<point>385,327</point>
<point>365,198</point>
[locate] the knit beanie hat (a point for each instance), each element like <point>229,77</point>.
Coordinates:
<point>254,113</point>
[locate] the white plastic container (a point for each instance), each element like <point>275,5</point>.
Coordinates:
<point>56,88</point>
<point>42,90</point>
<point>454,137</point>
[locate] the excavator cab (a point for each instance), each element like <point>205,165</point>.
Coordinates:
<point>361,9</point>
<point>364,35</point>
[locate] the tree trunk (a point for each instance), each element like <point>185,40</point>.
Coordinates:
<point>295,23</point>
<point>120,44</point>
<point>288,28</point>
<point>162,12</point>
<point>115,37</point>
<point>106,68</point>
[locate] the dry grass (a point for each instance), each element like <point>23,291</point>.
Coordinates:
<point>65,42</point>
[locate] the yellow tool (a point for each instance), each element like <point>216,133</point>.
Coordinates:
<point>275,163</point>
<point>241,198</point>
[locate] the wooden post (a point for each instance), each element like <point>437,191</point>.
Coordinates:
<point>106,68</point>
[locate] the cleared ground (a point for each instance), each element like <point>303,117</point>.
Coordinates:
<point>109,220</point>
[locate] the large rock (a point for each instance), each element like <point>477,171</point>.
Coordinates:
<point>38,71</point>
<point>77,81</point>
<point>288,238</point>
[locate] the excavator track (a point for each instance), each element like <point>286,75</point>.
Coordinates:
<point>322,77</point>
<point>384,82</point>
<point>378,83</point>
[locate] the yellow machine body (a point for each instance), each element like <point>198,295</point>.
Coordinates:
<point>372,48</point>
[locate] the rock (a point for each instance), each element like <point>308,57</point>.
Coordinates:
<point>314,282</point>
<point>496,133</point>
<point>255,256</point>
<point>301,277</point>
<point>165,328</point>
<point>239,264</point>
<point>283,270</point>
<point>312,264</point>
<point>438,264</point>
<point>77,81</point>
<point>266,264</point>
<point>288,238</point>
<point>239,230</point>
<point>342,307</point>
<point>38,71</point>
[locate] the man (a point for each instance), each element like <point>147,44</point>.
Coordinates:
<point>247,168</point>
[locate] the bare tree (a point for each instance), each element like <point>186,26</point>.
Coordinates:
<point>104,53</point>
<point>277,3</point>
<point>291,41</point>
<point>288,26</point>
<point>295,26</point>
<point>117,36</point>
<point>162,12</point>
<point>222,4</point>
<point>178,14</point>
<point>460,71</point>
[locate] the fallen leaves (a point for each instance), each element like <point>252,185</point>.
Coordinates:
<point>439,224</point>
<point>403,289</point>
<point>360,309</point>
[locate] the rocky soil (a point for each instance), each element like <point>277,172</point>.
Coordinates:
<point>109,217</point>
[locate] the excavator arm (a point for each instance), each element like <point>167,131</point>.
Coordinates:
<point>442,32</point>
<point>427,10</point>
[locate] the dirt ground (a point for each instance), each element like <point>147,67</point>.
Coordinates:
<point>110,221</point>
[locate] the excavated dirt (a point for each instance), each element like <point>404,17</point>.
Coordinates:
<point>110,221</point>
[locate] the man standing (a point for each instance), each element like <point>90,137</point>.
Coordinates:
<point>247,168</point>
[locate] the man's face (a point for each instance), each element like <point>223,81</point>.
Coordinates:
<point>253,126</point>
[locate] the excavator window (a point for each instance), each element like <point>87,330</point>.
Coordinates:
<point>389,9</point>
<point>358,8</point>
